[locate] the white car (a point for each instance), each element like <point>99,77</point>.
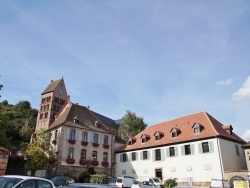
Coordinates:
<point>144,184</point>
<point>13,181</point>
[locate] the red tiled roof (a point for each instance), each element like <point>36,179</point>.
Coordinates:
<point>51,87</point>
<point>210,128</point>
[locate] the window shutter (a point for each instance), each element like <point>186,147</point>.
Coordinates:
<point>136,156</point>
<point>182,150</point>
<point>162,155</point>
<point>90,137</point>
<point>211,147</point>
<point>141,155</point>
<point>100,139</point>
<point>176,151</point>
<point>121,158</point>
<point>153,155</point>
<point>109,140</point>
<point>192,149</point>
<point>67,134</point>
<point>148,153</point>
<point>167,152</point>
<point>76,136</point>
<point>53,135</point>
<point>128,159</point>
<point>200,147</point>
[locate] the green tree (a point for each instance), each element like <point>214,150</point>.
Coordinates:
<point>170,183</point>
<point>131,125</point>
<point>39,152</point>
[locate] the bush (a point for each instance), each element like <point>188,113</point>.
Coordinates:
<point>98,178</point>
<point>170,183</point>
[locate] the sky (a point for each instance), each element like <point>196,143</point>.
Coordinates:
<point>160,59</point>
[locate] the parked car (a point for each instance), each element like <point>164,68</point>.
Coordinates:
<point>14,181</point>
<point>219,183</point>
<point>87,185</point>
<point>60,181</point>
<point>125,181</point>
<point>144,184</point>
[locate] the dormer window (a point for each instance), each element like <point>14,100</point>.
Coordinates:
<point>197,128</point>
<point>158,135</point>
<point>144,138</point>
<point>76,119</point>
<point>131,141</point>
<point>174,132</point>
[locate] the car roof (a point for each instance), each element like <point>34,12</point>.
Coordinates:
<point>22,177</point>
<point>90,184</point>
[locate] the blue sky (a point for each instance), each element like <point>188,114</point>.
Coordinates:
<point>161,59</point>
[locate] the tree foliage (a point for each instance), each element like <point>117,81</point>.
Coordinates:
<point>39,152</point>
<point>18,121</point>
<point>170,183</point>
<point>131,125</point>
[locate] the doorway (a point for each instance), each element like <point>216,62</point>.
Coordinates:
<point>158,173</point>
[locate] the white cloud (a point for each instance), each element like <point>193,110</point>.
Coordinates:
<point>225,82</point>
<point>246,135</point>
<point>243,92</point>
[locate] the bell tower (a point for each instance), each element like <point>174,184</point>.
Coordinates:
<point>52,100</point>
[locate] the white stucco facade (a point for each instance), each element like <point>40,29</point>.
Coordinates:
<point>195,167</point>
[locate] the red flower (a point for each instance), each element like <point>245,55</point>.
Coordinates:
<point>83,162</point>
<point>106,146</point>
<point>84,143</point>
<point>72,141</point>
<point>70,161</point>
<point>94,163</point>
<point>95,144</point>
<point>105,164</point>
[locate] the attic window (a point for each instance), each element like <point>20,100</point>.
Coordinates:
<point>76,119</point>
<point>131,141</point>
<point>158,135</point>
<point>197,128</point>
<point>174,132</point>
<point>145,138</point>
<point>97,123</point>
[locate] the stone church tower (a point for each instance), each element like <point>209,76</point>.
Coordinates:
<point>52,100</point>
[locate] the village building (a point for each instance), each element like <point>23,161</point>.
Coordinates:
<point>81,138</point>
<point>193,149</point>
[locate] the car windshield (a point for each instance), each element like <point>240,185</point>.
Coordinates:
<point>8,182</point>
<point>136,182</point>
<point>157,180</point>
<point>119,180</point>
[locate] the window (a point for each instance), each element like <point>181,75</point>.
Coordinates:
<point>187,149</point>
<point>129,142</point>
<point>205,147</point>
<point>28,184</point>
<point>94,155</point>
<point>134,156</point>
<point>171,152</point>
<point>157,137</point>
<point>70,153</point>
<point>157,154</point>
<point>144,140</point>
<point>84,136</point>
<point>56,134</point>
<point>83,154</point>
<point>105,140</point>
<point>144,155</point>
<point>95,138</point>
<point>72,134</point>
<point>105,156</point>
<point>196,130</point>
<point>123,157</point>
<point>44,184</point>
<point>174,134</point>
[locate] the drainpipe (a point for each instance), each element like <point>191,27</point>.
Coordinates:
<point>221,167</point>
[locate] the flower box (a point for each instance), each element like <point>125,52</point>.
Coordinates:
<point>94,163</point>
<point>106,146</point>
<point>95,144</point>
<point>54,142</point>
<point>83,162</point>
<point>70,161</point>
<point>84,143</point>
<point>72,141</point>
<point>105,164</point>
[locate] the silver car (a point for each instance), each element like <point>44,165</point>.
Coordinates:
<point>13,181</point>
